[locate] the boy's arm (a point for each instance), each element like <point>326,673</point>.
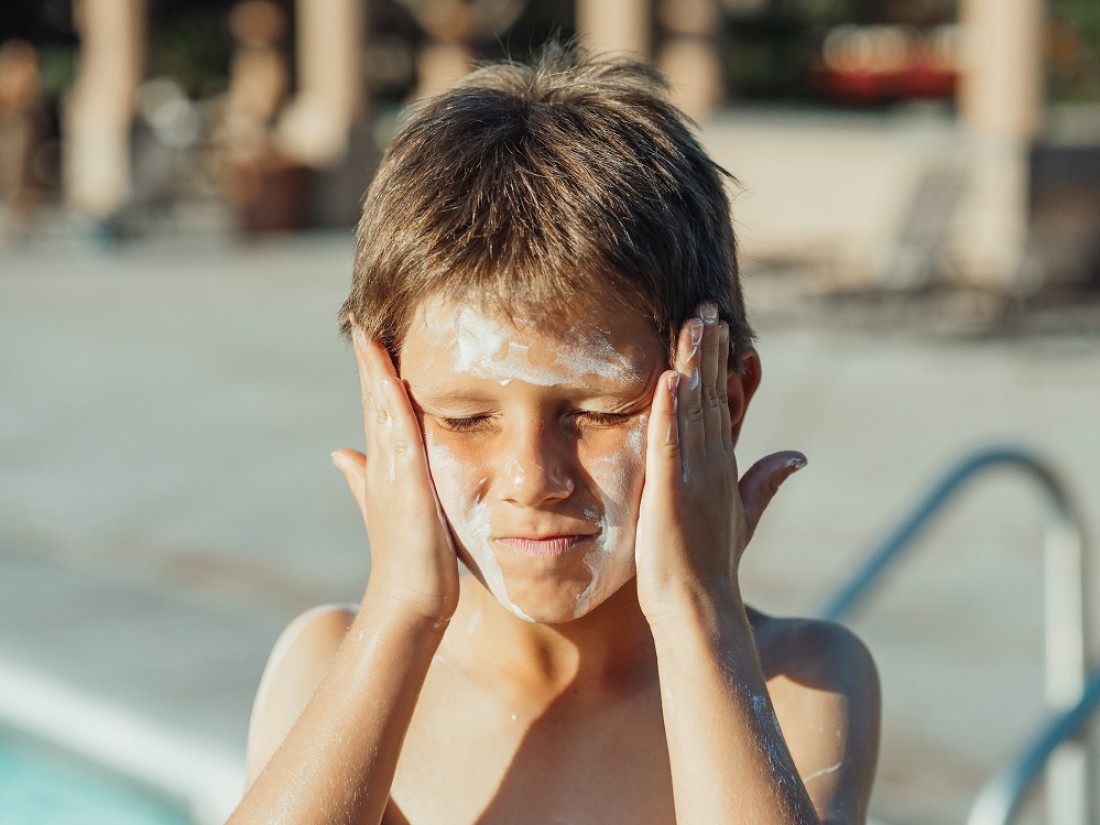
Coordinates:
<point>730,762</point>
<point>337,761</point>
<point>297,664</point>
<point>826,695</point>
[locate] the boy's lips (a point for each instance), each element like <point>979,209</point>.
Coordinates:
<point>545,546</point>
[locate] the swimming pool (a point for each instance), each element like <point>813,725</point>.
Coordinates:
<point>39,786</point>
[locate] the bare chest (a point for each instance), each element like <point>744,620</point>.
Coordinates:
<point>469,758</point>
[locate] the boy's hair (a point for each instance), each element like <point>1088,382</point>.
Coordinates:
<point>538,188</point>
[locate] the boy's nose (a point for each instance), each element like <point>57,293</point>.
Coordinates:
<point>534,471</point>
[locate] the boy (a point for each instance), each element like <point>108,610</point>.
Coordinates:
<point>555,365</point>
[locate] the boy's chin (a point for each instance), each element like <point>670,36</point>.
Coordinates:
<point>546,613</point>
<point>556,603</point>
<point>558,597</point>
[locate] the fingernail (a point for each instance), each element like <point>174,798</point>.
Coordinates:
<point>696,331</point>
<point>339,459</point>
<point>693,378</point>
<point>673,390</point>
<point>796,462</point>
<point>709,314</point>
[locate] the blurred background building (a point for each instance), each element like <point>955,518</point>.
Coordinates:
<point>884,142</point>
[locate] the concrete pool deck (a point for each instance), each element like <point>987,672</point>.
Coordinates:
<point>167,502</point>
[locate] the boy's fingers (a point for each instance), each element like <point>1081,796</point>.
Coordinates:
<point>370,409</point>
<point>401,430</point>
<point>760,483</point>
<point>353,465</point>
<point>378,358</point>
<point>690,405</point>
<point>663,459</point>
<point>393,434</point>
<point>725,422</point>
<point>709,371</point>
<point>374,366</point>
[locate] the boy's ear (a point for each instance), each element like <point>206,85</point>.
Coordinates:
<point>740,387</point>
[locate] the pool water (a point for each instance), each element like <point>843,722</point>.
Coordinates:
<point>40,787</point>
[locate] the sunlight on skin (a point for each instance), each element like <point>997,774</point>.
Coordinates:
<point>536,435</point>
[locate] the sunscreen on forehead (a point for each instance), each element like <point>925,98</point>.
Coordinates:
<point>487,348</point>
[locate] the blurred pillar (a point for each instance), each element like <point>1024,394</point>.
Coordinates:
<point>1001,89</point>
<point>447,53</point>
<point>439,65</point>
<point>100,107</point>
<point>314,128</point>
<point>1000,104</point>
<point>614,25</point>
<point>456,30</point>
<point>689,55</point>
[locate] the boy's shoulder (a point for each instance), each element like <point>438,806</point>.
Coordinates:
<point>312,637</point>
<point>810,651</point>
<point>295,667</point>
<point>821,678</point>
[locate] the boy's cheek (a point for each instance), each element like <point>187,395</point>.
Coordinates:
<point>454,452</point>
<point>454,476</point>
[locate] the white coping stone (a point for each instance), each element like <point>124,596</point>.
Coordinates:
<point>206,776</point>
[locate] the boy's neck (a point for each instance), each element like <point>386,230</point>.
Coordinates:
<point>608,651</point>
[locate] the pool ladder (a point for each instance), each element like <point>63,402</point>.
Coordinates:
<point>1072,693</point>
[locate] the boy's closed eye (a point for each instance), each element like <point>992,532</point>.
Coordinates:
<point>462,425</point>
<point>578,419</point>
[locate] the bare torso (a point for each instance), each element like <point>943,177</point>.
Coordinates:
<point>481,750</point>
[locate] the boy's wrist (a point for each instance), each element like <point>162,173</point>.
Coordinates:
<point>382,612</point>
<point>684,644</point>
<point>712,613</point>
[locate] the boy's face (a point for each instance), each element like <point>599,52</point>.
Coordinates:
<point>536,436</point>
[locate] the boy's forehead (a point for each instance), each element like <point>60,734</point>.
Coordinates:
<point>589,321</point>
<point>536,345</point>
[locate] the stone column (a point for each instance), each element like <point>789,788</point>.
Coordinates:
<point>99,111</point>
<point>439,65</point>
<point>456,30</point>
<point>614,25</point>
<point>1001,88</point>
<point>1000,103</point>
<point>689,55</point>
<point>314,128</point>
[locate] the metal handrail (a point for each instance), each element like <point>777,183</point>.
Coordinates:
<point>1066,644</point>
<point>1002,796</point>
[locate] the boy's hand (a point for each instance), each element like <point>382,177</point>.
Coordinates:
<point>696,519</point>
<point>413,562</point>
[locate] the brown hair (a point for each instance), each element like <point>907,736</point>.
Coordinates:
<point>538,187</point>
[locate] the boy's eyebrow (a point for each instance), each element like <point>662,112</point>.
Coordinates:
<point>445,396</point>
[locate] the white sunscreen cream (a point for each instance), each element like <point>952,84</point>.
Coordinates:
<point>611,560</point>
<point>469,517</point>
<point>489,349</point>
<point>486,349</point>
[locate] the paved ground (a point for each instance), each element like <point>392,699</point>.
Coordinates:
<point>167,502</point>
